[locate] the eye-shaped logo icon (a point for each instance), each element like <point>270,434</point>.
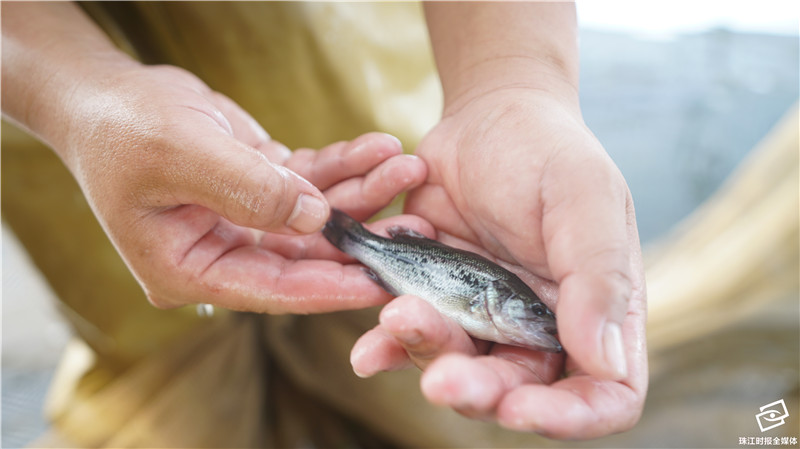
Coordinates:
<point>772,415</point>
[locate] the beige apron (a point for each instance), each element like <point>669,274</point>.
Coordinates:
<point>310,73</point>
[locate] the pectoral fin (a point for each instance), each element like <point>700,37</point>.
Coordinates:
<point>377,279</point>
<point>477,304</point>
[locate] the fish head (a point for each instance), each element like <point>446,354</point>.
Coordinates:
<point>521,317</point>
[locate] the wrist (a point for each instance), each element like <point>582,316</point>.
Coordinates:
<point>482,47</point>
<point>51,53</point>
<point>70,96</point>
<point>509,77</point>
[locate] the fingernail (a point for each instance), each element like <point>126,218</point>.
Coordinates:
<point>355,361</point>
<point>308,215</point>
<point>615,350</point>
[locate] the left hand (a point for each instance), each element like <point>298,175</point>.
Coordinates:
<point>517,175</point>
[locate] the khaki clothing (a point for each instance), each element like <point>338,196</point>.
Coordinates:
<point>311,74</point>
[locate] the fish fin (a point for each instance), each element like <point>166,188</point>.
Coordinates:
<point>335,229</point>
<point>477,304</point>
<point>341,230</point>
<point>377,279</point>
<point>402,231</point>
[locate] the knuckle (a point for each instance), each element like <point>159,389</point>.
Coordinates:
<point>269,206</point>
<point>257,200</point>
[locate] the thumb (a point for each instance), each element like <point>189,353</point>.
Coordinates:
<point>589,256</point>
<point>239,183</point>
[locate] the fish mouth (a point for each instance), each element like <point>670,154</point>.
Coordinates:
<point>540,339</point>
<point>553,345</point>
<point>551,339</point>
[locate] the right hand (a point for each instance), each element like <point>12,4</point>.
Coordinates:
<point>516,175</point>
<point>205,208</point>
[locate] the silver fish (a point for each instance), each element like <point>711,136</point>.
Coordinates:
<point>488,301</point>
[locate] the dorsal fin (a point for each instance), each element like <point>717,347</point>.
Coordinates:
<point>402,231</point>
<point>404,234</point>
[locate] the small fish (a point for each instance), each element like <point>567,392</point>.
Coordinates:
<point>488,301</point>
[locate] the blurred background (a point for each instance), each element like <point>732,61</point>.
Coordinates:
<point>680,94</point>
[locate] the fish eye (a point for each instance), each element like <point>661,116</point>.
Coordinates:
<point>538,309</point>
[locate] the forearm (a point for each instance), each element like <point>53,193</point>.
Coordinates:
<point>484,46</point>
<point>48,50</point>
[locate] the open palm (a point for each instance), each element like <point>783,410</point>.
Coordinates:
<point>517,175</point>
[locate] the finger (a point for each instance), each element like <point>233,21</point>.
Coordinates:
<point>378,351</point>
<point>474,386</point>
<point>250,279</point>
<point>580,407</point>
<point>362,197</point>
<point>246,129</point>
<point>240,183</point>
<point>585,226</point>
<point>423,331</point>
<point>546,367</point>
<point>344,160</point>
<point>204,258</point>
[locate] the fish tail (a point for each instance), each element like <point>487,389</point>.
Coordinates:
<point>341,229</point>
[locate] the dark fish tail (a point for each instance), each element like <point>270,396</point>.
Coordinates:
<point>342,229</point>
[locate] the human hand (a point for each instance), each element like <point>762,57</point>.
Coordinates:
<point>515,174</point>
<point>204,207</point>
